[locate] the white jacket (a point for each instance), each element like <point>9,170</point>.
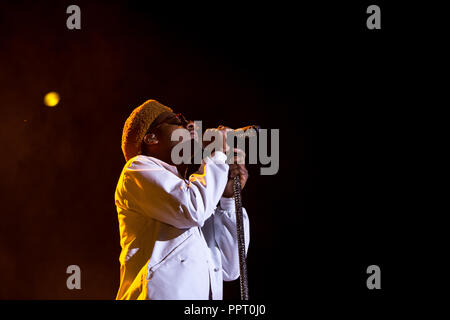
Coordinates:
<point>176,244</point>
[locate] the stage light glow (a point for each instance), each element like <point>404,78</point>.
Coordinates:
<point>51,99</point>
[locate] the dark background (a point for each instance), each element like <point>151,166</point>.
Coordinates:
<point>334,89</point>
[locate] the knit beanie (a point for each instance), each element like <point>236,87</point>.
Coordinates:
<point>137,125</point>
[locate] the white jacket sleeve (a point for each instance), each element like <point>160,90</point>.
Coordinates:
<point>158,193</point>
<point>226,237</point>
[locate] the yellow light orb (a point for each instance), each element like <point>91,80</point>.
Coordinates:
<point>51,99</point>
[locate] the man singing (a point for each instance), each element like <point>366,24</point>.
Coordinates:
<point>177,242</point>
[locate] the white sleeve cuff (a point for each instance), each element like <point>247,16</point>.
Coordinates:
<point>227,204</point>
<point>219,157</point>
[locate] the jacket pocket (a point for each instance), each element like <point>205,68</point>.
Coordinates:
<point>162,252</point>
<point>183,274</point>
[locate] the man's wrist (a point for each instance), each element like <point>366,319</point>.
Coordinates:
<point>227,204</point>
<point>218,157</point>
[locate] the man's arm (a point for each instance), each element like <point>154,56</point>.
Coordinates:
<point>226,237</point>
<point>158,193</point>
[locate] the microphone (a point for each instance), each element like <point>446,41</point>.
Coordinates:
<point>246,132</point>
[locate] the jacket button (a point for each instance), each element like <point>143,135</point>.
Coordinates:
<point>216,269</point>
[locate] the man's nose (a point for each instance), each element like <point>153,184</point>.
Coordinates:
<point>191,126</point>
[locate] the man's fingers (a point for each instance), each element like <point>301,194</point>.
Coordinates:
<point>217,133</point>
<point>238,170</point>
<point>239,152</point>
<point>243,180</point>
<point>243,171</point>
<point>234,171</point>
<point>239,156</point>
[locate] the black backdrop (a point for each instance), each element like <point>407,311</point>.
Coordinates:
<point>315,72</point>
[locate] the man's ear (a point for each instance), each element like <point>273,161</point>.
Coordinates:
<point>150,139</point>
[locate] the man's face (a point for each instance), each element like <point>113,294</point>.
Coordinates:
<point>165,125</point>
<point>168,122</point>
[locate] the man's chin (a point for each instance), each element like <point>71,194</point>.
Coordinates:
<point>194,136</point>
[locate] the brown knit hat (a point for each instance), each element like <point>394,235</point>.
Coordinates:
<point>137,125</point>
